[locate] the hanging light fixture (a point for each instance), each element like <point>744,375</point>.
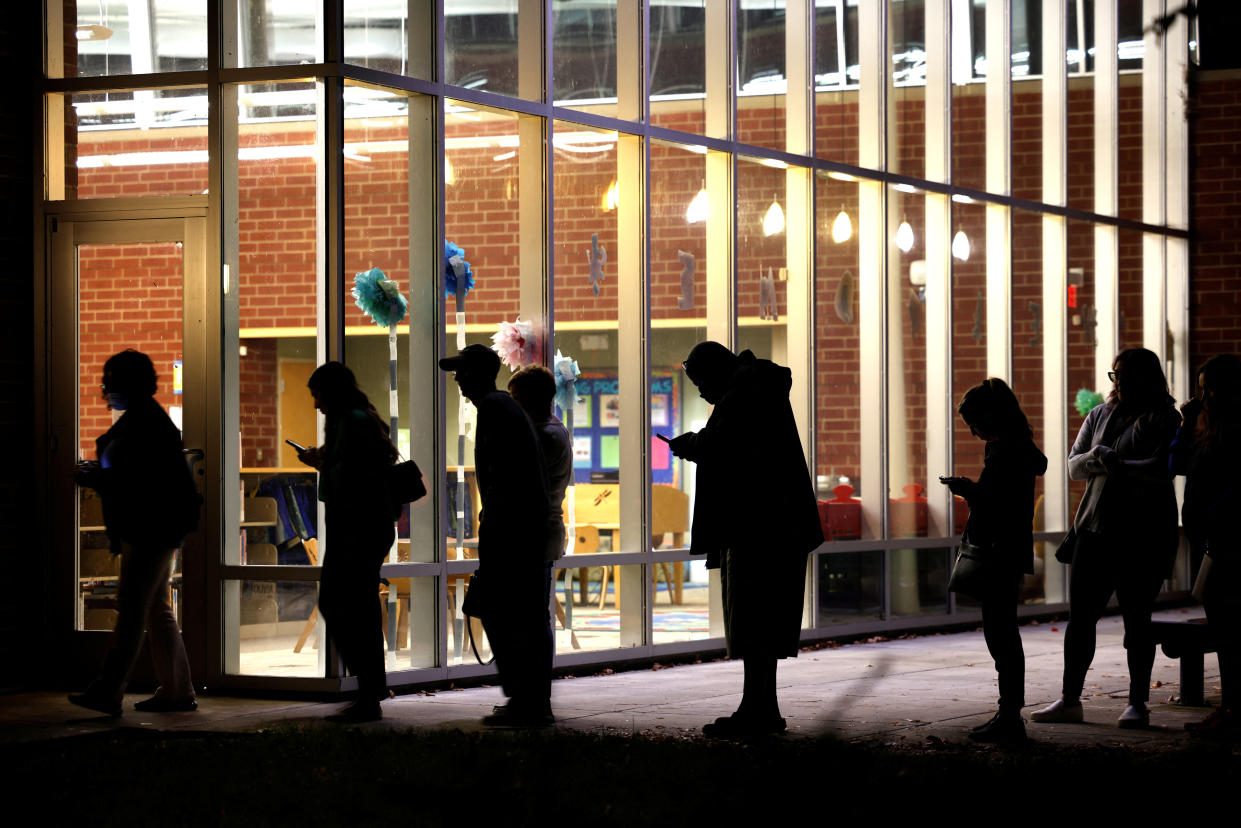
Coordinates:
<point>700,208</point>
<point>842,227</point>
<point>961,246</point>
<point>450,175</point>
<point>905,236</point>
<point>611,198</point>
<point>773,220</point>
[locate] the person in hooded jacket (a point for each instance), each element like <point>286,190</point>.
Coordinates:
<point>755,518</point>
<point>150,504</point>
<point>1126,533</point>
<point>1001,521</point>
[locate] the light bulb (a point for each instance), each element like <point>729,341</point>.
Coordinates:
<point>842,227</point>
<point>905,237</point>
<point>611,198</point>
<point>700,208</point>
<point>961,246</point>
<point>450,175</point>
<point>773,221</point>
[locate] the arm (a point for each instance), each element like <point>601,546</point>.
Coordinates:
<point>1152,439</point>
<point>1085,459</point>
<point>1182,448</point>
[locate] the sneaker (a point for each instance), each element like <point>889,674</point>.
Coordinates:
<point>357,712</point>
<point>1003,728</point>
<point>741,727</point>
<point>1135,717</point>
<point>159,704</point>
<point>1059,712</point>
<point>97,703</point>
<point>1222,721</point>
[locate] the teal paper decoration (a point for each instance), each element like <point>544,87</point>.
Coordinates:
<point>379,297</point>
<point>1087,400</point>
<point>566,372</point>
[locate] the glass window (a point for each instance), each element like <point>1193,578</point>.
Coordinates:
<point>1080,114</point>
<point>120,38</point>
<point>918,581</point>
<point>273,33</point>
<point>761,78</point>
<point>481,47</point>
<point>1129,290</point>
<point>279,629</point>
<point>969,97</point>
<point>678,65</point>
<point>1082,338</point>
<point>1027,104</point>
<point>145,142</point>
<point>836,75</point>
<point>907,98</point>
<point>969,333</point>
<point>585,53</point>
<point>377,36</point>
<point>762,274</point>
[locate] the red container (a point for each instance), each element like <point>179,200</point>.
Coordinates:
<point>907,515</point>
<point>842,515</point>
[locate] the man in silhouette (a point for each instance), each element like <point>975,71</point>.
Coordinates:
<point>512,540</point>
<point>534,388</point>
<point>755,518</point>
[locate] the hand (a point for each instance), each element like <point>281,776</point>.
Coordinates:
<point>1191,409</point>
<point>1112,462</point>
<point>86,473</point>
<point>681,445</point>
<point>312,457</point>
<point>956,485</point>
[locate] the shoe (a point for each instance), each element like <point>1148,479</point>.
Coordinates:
<point>1135,717</point>
<point>1059,712</point>
<point>506,715</point>
<point>1004,728</point>
<point>741,727</point>
<point>92,702</point>
<point>986,724</point>
<point>359,711</point>
<point>1222,721</point>
<point>159,704</point>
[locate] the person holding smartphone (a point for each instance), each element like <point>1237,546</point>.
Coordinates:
<point>1001,521</point>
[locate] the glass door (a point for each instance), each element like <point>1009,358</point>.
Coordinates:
<point>124,284</point>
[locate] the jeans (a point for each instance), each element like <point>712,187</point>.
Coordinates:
<point>519,628</point>
<point>1000,631</point>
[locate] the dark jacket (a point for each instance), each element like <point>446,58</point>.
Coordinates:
<point>753,487</point>
<point>1002,500</point>
<point>149,499</point>
<point>1212,496</point>
<point>356,459</point>
<point>512,484</point>
<point>1136,508</point>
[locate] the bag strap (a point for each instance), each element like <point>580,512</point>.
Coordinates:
<point>469,628</point>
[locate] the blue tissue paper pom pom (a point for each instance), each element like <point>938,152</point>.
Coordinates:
<point>456,267</point>
<point>379,297</point>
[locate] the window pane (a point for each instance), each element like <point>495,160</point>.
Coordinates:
<point>1027,103</point>
<point>1082,338</point>
<point>1130,267</point>
<point>106,38</point>
<point>918,581</point>
<point>969,114</point>
<point>590,614</point>
<point>377,35</point>
<point>584,49</point>
<point>678,65</point>
<point>907,98</point>
<point>836,75</point>
<point>969,334</point>
<point>762,278</point>
<point>761,78</point>
<point>1080,124</point>
<point>147,142</point>
<point>275,33</point>
<point>850,587</point>
<point>279,631</point>
<point>481,46</point>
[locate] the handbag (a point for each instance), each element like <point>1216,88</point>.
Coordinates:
<point>406,483</point>
<point>970,571</point>
<point>476,604</point>
<point>1064,552</point>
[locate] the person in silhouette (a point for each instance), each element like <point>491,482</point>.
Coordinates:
<point>755,518</point>
<point>150,504</point>
<point>514,558</point>
<point>353,465</point>
<point>1207,450</point>
<point>1126,529</point>
<point>534,389</point>
<point>1001,521</point>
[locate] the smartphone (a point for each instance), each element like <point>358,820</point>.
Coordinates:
<point>665,439</point>
<point>297,446</point>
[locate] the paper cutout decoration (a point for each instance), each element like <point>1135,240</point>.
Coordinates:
<point>1036,323</point>
<point>1087,401</point>
<point>767,297</point>
<point>457,270</point>
<point>844,298</point>
<point>686,300</point>
<point>515,343</point>
<point>379,297</point>
<point>597,257</point>
<point>978,317</point>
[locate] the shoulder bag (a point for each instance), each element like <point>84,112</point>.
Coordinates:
<point>477,604</point>
<point>970,570</point>
<point>406,483</point>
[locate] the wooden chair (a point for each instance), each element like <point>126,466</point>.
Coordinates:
<point>260,605</point>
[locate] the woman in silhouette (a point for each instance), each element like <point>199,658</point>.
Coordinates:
<point>1001,521</point>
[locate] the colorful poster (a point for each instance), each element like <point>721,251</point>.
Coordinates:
<point>581,452</point>
<point>659,411</point>
<point>609,451</point>
<point>609,411</point>
<point>661,457</point>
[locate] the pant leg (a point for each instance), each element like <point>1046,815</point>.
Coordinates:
<point>1003,637</point>
<point>141,570</point>
<point>349,603</point>
<point>1136,593</point>
<point>1091,583</point>
<point>172,665</point>
<point>520,632</point>
<point>1224,615</point>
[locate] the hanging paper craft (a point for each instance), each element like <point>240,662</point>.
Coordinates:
<point>767,297</point>
<point>514,342</point>
<point>978,314</point>
<point>844,298</point>
<point>379,297</point>
<point>597,257</point>
<point>1036,320</point>
<point>457,270</point>
<point>566,372</point>
<point>686,299</point>
<point>1087,401</point>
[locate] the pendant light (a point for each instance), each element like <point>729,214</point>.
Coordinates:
<point>905,236</point>
<point>842,227</point>
<point>700,208</point>
<point>961,246</point>
<point>773,221</point>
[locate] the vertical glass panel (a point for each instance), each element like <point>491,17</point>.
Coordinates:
<point>585,58</point>
<point>280,631</point>
<point>377,35</point>
<point>1130,160</point>
<point>120,38</point>
<point>680,602</point>
<point>761,78</point>
<point>1130,48</point>
<point>850,587</point>
<point>762,277</point>
<point>1080,119</point>
<point>276,285</point>
<point>907,97</point>
<point>907,367</point>
<point>481,45</point>
<point>463,630</point>
<point>1027,100</point>
<point>918,581</point>
<point>969,101</point>
<point>836,75</point>
<point>678,65</point>
<point>377,239</point>
<point>1082,338</point>
<point>1030,342</point>
<point>1130,266</point>
<point>411,636</point>
<point>838,369</point>
<point>594,613</point>
<point>129,296</point>
<point>275,33</point>
<point>969,331</point>
<point>1079,35</point>
<point>145,142</point>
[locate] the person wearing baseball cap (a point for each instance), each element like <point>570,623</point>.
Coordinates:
<point>512,540</point>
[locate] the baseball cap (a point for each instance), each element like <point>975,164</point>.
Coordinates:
<point>476,357</point>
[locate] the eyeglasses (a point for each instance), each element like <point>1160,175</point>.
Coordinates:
<point>1113,375</point>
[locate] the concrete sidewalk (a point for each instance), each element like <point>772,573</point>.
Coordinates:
<point>903,691</point>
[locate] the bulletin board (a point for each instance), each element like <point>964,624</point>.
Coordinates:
<point>596,426</point>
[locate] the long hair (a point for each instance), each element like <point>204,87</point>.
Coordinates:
<point>338,388</point>
<point>992,407</point>
<point>1221,395</point>
<point>132,373</point>
<point>1146,387</point>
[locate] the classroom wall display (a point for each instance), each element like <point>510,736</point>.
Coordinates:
<point>596,426</point>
